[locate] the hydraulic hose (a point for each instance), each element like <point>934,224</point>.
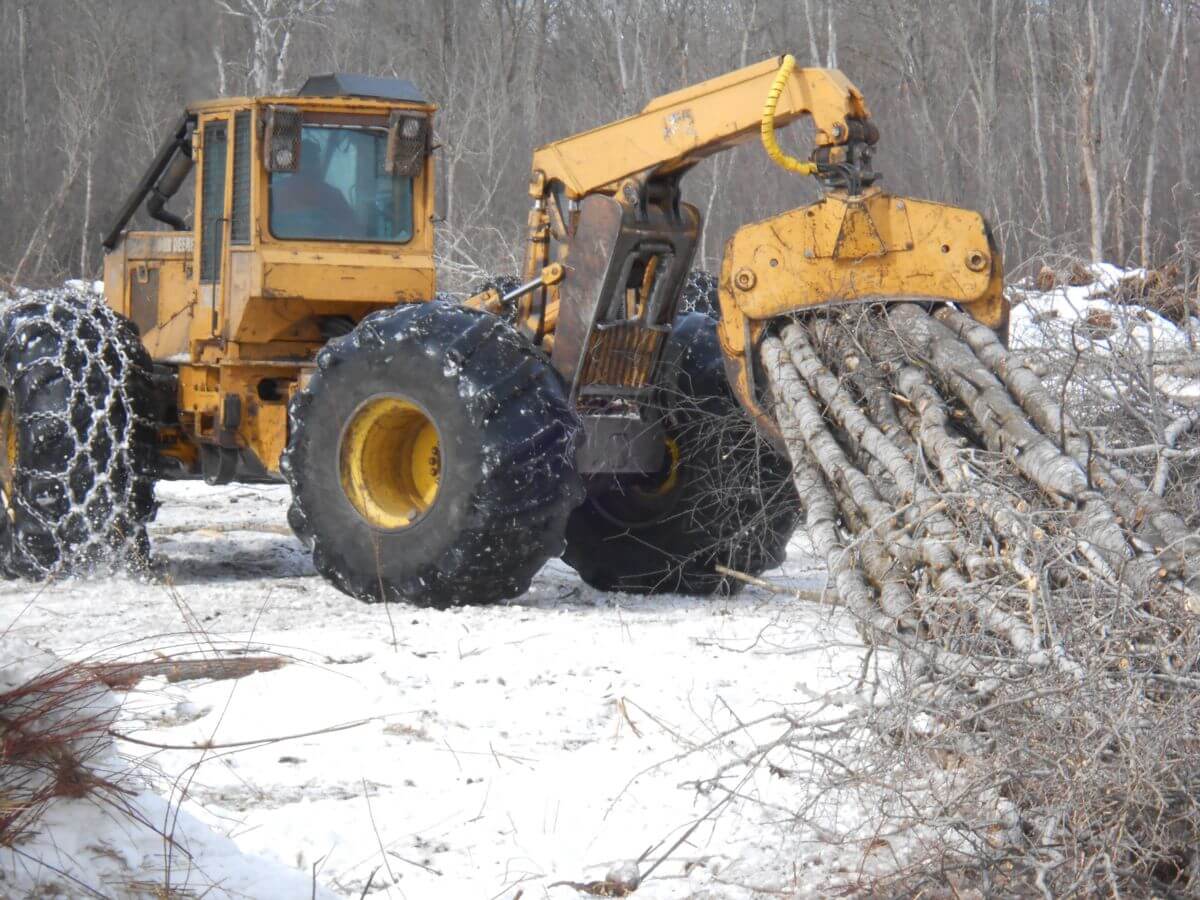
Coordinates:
<point>799,166</point>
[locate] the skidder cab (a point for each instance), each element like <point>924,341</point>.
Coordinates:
<point>309,213</point>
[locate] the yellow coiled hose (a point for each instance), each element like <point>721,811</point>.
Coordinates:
<point>773,149</point>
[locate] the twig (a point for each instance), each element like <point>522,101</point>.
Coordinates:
<point>808,596</point>
<point>413,862</point>
<point>333,729</point>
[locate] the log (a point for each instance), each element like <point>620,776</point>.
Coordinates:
<point>864,434</point>
<point>123,676</point>
<point>820,510</point>
<point>1137,505</point>
<point>1008,430</point>
<point>804,428</point>
<point>795,593</point>
<point>855,364</point>
<point>895,480</point>
<point>929,425</point>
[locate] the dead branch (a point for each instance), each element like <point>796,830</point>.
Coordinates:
<point>125,675</point>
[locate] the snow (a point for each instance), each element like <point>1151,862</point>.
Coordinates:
<point>112,844</point>
<point>1041,318</point>
<point>84,844</point>
<point>488,750</point>
<point>569,736</point>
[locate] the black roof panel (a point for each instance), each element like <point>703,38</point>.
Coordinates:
<point>341,84</point>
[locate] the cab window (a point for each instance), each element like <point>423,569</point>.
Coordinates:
<point>340,191</point>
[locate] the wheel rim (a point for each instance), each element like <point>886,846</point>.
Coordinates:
<point>390,462</point>
<point>649,500</point>
<point>8,454</point>
<point>671,479</point>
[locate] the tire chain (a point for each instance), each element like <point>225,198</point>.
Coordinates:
<point>83,483</point>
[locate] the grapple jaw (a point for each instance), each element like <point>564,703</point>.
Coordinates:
<point>869,248</point>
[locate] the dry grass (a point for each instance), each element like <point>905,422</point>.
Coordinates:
<point>54,725</point>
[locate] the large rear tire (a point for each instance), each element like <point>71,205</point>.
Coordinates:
<point>724,497</point>
<point>432,459</point>
<point>76,437</point>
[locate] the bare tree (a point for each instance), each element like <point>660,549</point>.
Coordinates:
<point>1091,86</point>
<point>1041,112</point>
<point>1160,93</point>
<point>273,23</point>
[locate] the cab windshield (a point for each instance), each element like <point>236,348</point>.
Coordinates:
<point>340,192</point>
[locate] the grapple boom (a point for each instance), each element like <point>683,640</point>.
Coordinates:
<point>608,234</point>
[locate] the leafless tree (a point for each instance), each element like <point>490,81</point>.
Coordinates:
<point>272,25</point>
<point>1071,123</point>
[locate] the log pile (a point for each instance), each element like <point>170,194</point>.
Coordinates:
<point>1030,581</point>
<point>923,450</point>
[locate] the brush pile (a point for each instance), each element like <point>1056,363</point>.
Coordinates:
<point>1018,531</point>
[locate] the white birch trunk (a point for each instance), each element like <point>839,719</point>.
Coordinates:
<point>1089,140</point>
<point>1160,92</point>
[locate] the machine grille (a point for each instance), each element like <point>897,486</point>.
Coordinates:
<point>621,355</point>
<point>240,226</point>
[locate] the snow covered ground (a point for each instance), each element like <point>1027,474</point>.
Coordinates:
<point>1085,317</point>
<point>490,751</point>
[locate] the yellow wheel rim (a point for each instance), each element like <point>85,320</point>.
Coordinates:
<point>672,479</point>
<point>649,498</point>
<point>390,462</point>
<point>8,456</point>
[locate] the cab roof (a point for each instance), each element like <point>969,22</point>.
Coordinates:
<point>327,90</point>
<point>341,84</point>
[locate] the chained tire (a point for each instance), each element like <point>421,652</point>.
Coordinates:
<point>76,437</point>
<point>700,294</point>
<point>723,497</point>
<point>432,459</point>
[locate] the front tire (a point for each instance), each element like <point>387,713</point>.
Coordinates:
<point>724,497</point>
<point>432,459</point>
<point>76,437</point>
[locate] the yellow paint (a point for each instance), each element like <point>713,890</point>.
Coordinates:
<point>873,248</point>
<point>870,247</point>
<point>719,114</point>
<point>261,323</point>
<point>168,257</point>
<point>671,481</point>
<point>849,250</point>
<point>390,462</point>
<point>261,320</point>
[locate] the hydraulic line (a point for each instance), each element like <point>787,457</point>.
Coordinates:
<point>778,156</point>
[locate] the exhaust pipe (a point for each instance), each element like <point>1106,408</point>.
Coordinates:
<point>166,188</point>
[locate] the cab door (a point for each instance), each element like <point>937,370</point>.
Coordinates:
<point>223,202</point>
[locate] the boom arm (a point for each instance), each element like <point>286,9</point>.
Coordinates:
<point>669,136</point>
<point>609,237</point>
<point>677,130</point>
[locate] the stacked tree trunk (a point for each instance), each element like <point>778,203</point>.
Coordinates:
<point>943,482</point>
<point>1039,597</point>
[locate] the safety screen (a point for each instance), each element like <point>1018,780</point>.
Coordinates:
<point>239,229</point>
